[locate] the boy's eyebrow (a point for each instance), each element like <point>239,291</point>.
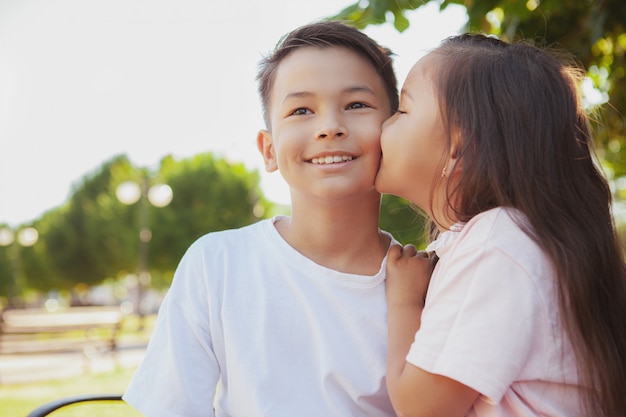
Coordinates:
<point>358,89</point>
<point>354,89</point>
<point>297,94</point>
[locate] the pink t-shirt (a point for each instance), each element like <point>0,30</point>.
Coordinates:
<point>492,321</point>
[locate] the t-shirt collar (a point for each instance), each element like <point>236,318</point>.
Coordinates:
<point>445,240</point>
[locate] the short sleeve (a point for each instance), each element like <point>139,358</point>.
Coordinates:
<point>179,373</point>
<point>479,322</point>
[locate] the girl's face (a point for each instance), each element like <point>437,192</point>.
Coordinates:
<point>413,143</point>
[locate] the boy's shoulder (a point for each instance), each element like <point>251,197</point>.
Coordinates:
<point>229,245</point>
<point>240,234</point>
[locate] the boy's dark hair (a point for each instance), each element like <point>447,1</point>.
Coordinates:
<point>326,34</point>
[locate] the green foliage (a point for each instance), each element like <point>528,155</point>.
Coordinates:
<point>94,236</point>
<point>402,221</point>
<point>86,240</point>
<point>376,12</point>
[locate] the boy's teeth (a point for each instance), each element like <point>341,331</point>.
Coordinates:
<point>331,159</point>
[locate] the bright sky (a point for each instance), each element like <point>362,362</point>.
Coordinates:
<point>84,80</point>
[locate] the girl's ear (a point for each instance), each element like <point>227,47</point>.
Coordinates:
<point>266,146</point>
<point>454,158</point>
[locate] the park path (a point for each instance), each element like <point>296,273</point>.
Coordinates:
<point>25,368</point>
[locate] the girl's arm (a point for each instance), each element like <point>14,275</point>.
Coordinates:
<point>413,391</point>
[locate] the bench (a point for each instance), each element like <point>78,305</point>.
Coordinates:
<point>89,329</point>
<point>66,402</point>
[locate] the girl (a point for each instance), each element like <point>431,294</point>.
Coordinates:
<point>526,307</point>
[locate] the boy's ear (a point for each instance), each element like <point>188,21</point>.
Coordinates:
<point>265,145</point>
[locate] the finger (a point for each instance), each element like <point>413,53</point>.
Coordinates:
<point>409,250</point>
<point>395,252</point>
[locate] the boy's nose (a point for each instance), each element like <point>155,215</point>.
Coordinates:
<point>332,128</point>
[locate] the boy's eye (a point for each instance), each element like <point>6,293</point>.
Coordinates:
<point>357,105</point>
<point>300,111</point>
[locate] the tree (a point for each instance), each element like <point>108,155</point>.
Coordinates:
<point>94,236</point>
<point>87,239</point>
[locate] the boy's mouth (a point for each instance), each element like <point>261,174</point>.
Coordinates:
<point>331,159</point>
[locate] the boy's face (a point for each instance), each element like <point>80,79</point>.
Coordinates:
<point>327,107</point>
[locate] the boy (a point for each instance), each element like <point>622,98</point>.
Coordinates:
<point>287,317</point>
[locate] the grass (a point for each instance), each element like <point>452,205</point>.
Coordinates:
<point>20,399</point>
<point>17,400</point>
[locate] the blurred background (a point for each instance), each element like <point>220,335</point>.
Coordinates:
<point>127,130</point>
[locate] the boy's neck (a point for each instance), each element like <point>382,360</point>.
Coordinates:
<point>340,235</point>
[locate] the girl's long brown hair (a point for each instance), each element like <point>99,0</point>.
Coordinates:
<point>527,145</point>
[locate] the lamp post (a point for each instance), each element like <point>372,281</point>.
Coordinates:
<point>26,237</point>
<point>159,195</point>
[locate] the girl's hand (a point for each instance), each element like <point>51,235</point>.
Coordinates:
<point>408,275</point>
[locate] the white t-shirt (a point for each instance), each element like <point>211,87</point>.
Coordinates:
<point>492,321</point>
<point>276,333</point>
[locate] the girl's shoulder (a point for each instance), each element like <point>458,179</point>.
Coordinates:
<point>501,228</point>
<point>505,231</point>
<point>500,222</point>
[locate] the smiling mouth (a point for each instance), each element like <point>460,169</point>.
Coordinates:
<point>331,159</point>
